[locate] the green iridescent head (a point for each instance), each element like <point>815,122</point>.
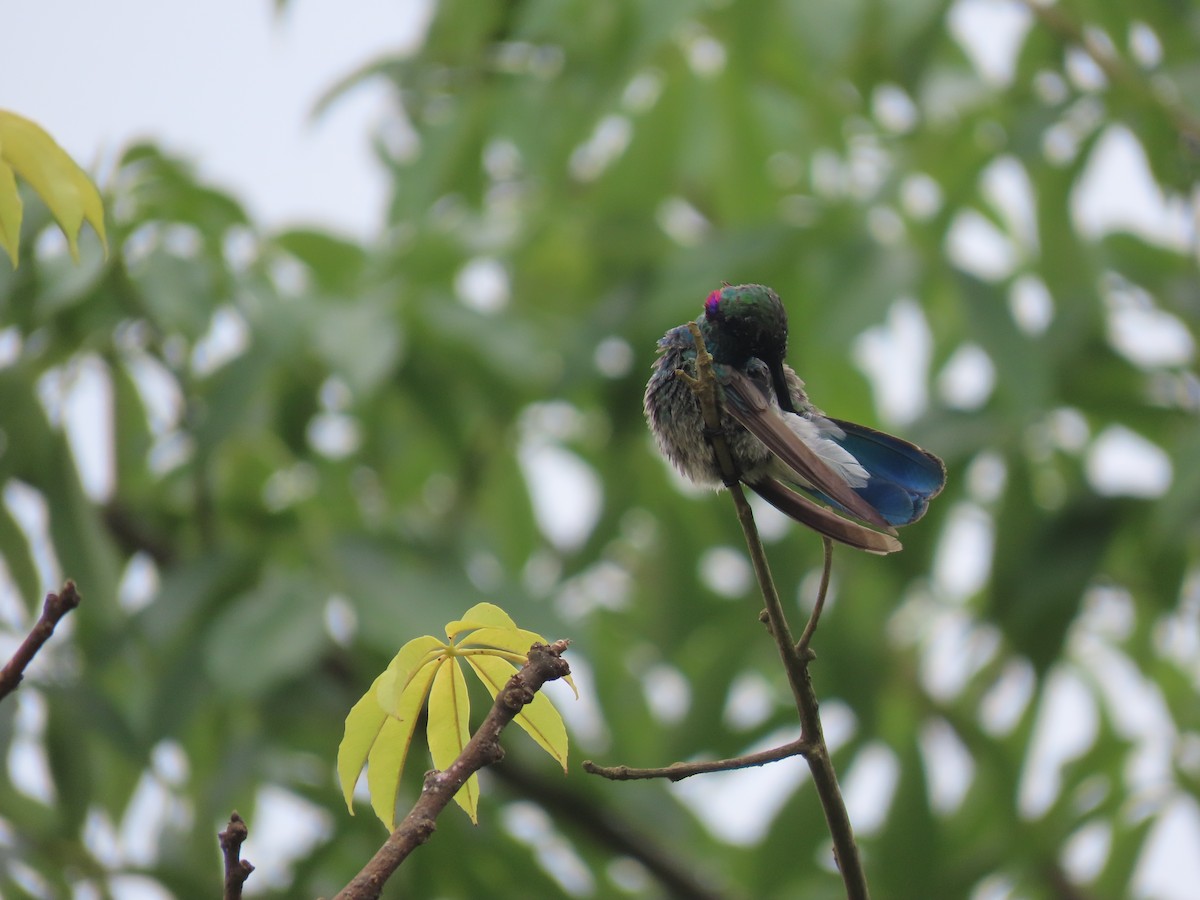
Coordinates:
<point>749,320</point>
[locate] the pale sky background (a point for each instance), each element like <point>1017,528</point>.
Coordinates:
<point>231,86</point>
<point>227,83</point>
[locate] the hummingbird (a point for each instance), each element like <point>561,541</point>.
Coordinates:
<point>823,472</point>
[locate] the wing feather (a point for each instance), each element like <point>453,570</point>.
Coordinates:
<point>751,406</point>
<point>822,520</point>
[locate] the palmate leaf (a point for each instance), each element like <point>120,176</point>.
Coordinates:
<point>380,726</point>
<point>449,728</point>
<point>27,150</point>
<point>401,689</point>
<point>481,615</point>
<point>363,725</point>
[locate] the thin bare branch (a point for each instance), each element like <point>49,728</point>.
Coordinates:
<point>681,770</point>
<point>53,610</point>
<point>802,648</point>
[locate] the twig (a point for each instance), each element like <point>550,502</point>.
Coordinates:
<point>53,610</point>
<point>237,870</point>
<point>802,648</point>
<point>545,664</point>
<point>824,777</point>
<point>680,770</point>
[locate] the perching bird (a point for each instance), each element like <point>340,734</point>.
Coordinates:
<point>777,438</point>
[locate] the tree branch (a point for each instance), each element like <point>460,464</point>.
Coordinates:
<point>545,664</point>
<point>53,610</point>
<point>794,662</point>
<point>681,770</point>
<point>237,870</point>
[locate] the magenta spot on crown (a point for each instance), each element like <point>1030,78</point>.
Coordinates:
<point>712,304</point>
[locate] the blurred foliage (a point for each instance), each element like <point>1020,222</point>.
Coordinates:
<point>314,449</point>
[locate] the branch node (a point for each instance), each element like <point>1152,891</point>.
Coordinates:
<point>237,870</point>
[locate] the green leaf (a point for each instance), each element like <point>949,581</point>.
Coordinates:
<point>336,264</point>
<point>27,149</point>
<point>448,728</point>
<point>401,693</point>
<point>380,727</point>
<point>401,681</point>
<point>17,555</point>
<point>511,640</point>
<point>481,615</point>
<point>493,627</point>
<point>363,723</point>
<point>385,765</point>
<point>267,635</point>
<point>515,641</point>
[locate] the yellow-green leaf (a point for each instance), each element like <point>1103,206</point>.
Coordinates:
<point>363,724</point>
<point>10,211</point>
<point>449,728</point>
<point>64,187</point>
<point>514,640</point>
<point>401,677</point>
<point>385,765</point>
<point>481,615</point>
<point>539,719</point>
<point>380,727</point>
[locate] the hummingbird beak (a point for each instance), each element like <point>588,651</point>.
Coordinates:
<point>782,392</point>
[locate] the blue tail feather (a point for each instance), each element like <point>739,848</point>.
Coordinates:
<point>904,478</point>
